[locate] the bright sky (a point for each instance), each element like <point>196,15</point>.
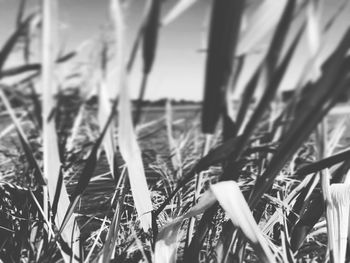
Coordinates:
<point>179,67</point>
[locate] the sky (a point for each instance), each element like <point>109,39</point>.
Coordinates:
<point>179,68</point>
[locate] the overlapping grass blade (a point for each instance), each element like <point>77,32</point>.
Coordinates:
<point>87,171</point>
<point>25,143</point>
<point>314,207</point>
<point>274,73</point>
<point>232,170</point>
<point>13,39</point>
<point>233,202</point>
<point>264,19</point>
<point>109,247</point>
<point>329,86</point>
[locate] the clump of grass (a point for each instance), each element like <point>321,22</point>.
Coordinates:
<point>100,188</point>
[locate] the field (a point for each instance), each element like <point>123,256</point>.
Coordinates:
<point>252,173</point>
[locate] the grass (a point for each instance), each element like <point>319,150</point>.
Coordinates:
<point>96,178</point>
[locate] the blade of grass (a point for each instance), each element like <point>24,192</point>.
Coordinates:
<point>127,140</point>
<point>229,148</point>
<point>150,39</point>
<point>343,5</point>
<point>51,159</point>
<point>131,154</point>
<point>174,148</point>
<point>264,19</point>
<point>103,113</point>
<point>20,13</point>
<point>16,70</point>
<point>324,163</point>
<point>139,35</point>
<point>313,21</point>
<point>231,171</point>
<point>180,7</point>
<point>224,29</point>
<point>274,73</point>
<point>313,10</point>
<point>313,211</point>
<point>213,157</point>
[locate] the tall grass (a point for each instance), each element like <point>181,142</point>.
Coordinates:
<point>103,185</point>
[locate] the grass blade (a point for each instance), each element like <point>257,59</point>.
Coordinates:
<point>324,163</point>
<point>264,20</point>
<point>127,139</point>
<point>174,147</point>
<point>313,21</point>
<point>20,14</point>
<point>150,40</point>
<point>150,37</point>
<point>131,154</point>
<point>180,7</point>
<point>107,91</point>
<point>274,73</point>
<point>223,36</point>
<point>52,162</point>
<point>314,30</point>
